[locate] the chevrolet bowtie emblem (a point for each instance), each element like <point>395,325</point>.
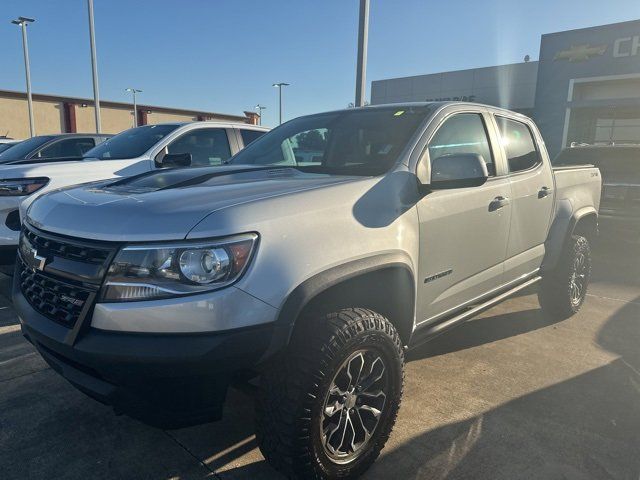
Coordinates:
<point>580,53</point>
<point>39,262</point>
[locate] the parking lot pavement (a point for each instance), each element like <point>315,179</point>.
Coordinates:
<point>509,395</point>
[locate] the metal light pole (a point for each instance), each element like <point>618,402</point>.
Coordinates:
<point>363,39</point>
<point>279,87</point>
<point>259,108</point>
<point>134,91</point>
<point>22,22</point>
<point>94,66</point>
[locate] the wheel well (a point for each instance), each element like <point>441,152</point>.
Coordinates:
<point>587,226</point>
<point>387,291</point>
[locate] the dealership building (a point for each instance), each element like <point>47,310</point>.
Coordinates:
<point>585,87</point>
<point>55,114</point>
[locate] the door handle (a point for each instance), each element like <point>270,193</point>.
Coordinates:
<point>498,202</point>
<point>543,192</point>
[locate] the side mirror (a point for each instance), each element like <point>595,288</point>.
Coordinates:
<point>458,170</point>
<point>173,160</point>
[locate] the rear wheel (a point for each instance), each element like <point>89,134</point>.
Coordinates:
<point>326,407</point>
<point>563,290</point>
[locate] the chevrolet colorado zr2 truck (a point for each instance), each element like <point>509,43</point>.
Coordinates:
<point>306,274</point>
<point>48,162</point>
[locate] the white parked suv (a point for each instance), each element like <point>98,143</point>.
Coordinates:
<point>131,152</point>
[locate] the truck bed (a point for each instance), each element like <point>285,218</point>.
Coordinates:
<point>580,184</point>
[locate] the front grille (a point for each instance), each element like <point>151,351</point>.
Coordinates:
<point>53,298</point>
<point>50,246</point>
<point>60,276</point>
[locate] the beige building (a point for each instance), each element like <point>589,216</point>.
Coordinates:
<point>55,114</point>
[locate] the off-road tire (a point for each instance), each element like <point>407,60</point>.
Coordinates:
<point>557,292</point>
<point>294,390</point>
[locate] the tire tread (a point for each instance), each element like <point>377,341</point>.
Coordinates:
<point>289,386</point>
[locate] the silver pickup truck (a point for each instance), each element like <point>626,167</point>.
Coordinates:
<point>308,264</point>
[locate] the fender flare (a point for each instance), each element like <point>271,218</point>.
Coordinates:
<point>315,285</point>
<point>561,230</point>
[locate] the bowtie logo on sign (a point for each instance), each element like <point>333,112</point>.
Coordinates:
<point>622,47</point>
<point>580,53</point>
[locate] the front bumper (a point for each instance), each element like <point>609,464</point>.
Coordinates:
<point>169,380</point>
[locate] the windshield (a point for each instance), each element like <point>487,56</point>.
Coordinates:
<point>6,146</point>
<point>131,143</point>
<point>353,142</point>
<point>22,149</point>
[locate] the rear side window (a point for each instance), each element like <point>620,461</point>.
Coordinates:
<point>462,133</point>
<point>71,147</point>
<point>207,146</point>
<point>519,145</point>
<point>249,136</point>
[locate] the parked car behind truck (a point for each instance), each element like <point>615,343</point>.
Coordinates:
<point>153,293</point>
<point>46,148</point>
<point>131,152</point>
<point>7,143</point>
<point>620,168</point>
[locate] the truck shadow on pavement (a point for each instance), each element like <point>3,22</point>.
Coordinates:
<point>584,427</point>
<point>481,331</point>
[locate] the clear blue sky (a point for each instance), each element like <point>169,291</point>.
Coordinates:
<point>224,55</point>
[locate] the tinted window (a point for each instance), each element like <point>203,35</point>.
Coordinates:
<point>249,136</point>
<point>70,147</point>
<point>518,144</point>
<point>131,143</point>
<point>207,146</point>
<point>6,146</point>
<point>462,133</point>
<point>21,150</point>
<point>352,142</point>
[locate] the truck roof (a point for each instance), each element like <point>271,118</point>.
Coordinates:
<point>439,104</point>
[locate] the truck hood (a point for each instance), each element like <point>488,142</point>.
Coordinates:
<point>164,205</point>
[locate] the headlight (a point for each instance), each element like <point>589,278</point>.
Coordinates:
<point>21,186</point>
<point>147,272</point>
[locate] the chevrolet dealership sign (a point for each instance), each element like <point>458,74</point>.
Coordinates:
<point>583,74</point>
<point>579,53</point>
<point>622,47</point>
<point>626,47</point>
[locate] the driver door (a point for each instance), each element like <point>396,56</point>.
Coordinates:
<point>463,232</point>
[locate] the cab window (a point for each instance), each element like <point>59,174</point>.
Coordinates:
<point>70,147</point>
<point>207,146</point>
<point>460,134</point>
<point>249,136</point>
<point>519,145</point>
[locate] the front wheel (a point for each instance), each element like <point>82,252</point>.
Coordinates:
<point>326,407</point>
<point>563,290</point>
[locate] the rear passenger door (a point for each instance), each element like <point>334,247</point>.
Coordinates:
<point>208,147</point>
<point>463,231</point>
<point>531,183</point>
